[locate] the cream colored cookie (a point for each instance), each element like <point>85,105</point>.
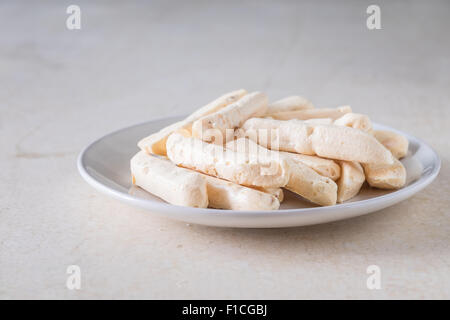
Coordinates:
<point>394,142</point>
<point>311,185</point>
<point>355,120</point>
<point>277,192</point>
<point>312,113</point>
<point>224,194</point>
<point>386,176</point>
<point>212,159</point>
<point>351,180</point>
<point>156,143</point>
<point>328,141</point>
<point>324,167</point>
<point>303,180</point>
<point>325,121</point>
<point>289,104</point>
<point>162,178</point>
<point>218,127</point>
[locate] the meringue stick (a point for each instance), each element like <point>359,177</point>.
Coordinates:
<point>394,142</point>
<point>223,122</point>
<point>224,194</point>
<point>277,192</point>
<point>162,178</point>
<point>289,104</point>
<point>312,113</point>
<point>212,159</point>
<point>327,121</point>
<point>355,120</point>
<point>303,180</point>
<point>156,143</point>
<point>324,167</point>
<point>311,185</point>
<point>351,180</point>
<point>328,141</point>
<point>385,176</point>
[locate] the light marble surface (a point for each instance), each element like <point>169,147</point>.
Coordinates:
<point>134,61</point>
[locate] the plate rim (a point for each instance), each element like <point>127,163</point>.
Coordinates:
<point>401,194</point>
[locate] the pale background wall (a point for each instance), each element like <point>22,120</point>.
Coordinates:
<point>134,61</point>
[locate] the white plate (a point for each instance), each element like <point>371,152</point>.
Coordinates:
<point>104,164</point>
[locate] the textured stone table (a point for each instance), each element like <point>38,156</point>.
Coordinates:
<point>61,89</point>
